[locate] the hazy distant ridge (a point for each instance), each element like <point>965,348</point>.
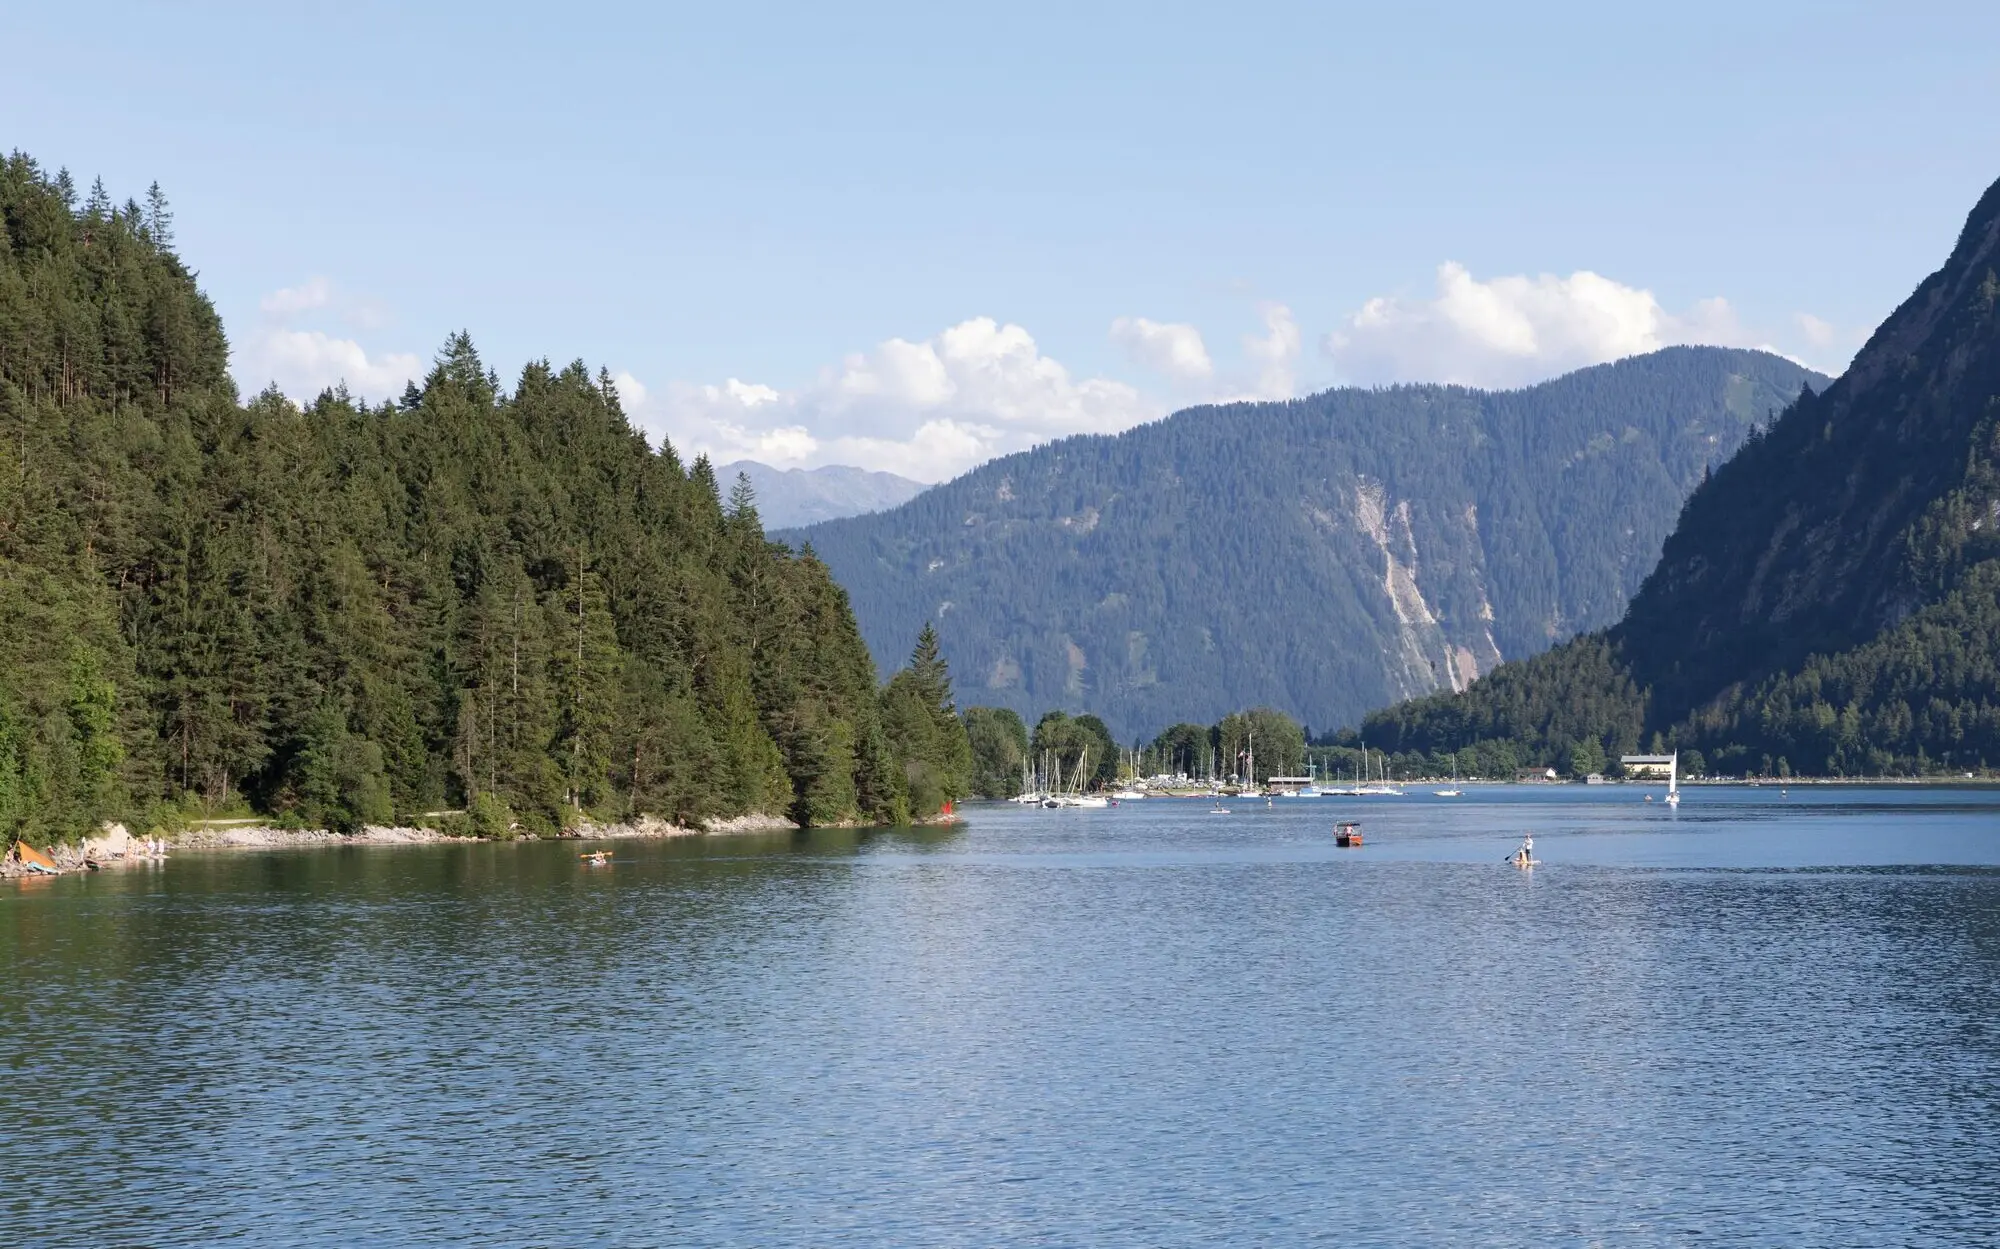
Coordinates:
<point>789,497</point>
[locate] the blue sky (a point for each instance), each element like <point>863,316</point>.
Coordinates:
<point>914,236</point>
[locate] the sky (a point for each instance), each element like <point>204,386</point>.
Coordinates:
<point>913,237</point>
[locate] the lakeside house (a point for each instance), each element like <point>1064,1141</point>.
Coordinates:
<point>1647,767</point>
<point>1534,776</point>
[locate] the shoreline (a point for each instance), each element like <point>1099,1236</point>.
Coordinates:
<point>271,837</point>
<point>118,848</point>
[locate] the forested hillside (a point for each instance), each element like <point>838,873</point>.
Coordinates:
<point>349,614</point>
<point>1321,556</point>
<point>1830,600</point>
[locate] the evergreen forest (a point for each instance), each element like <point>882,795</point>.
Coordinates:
<point>479,599</point>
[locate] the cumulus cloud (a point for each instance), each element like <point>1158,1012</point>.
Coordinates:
<point>1820,333</point>
<point>631,391</point>
<point>1515,330</point>
<point>288,301</point>
<point>303,359</point>
<point>928,410</point>
<point>305,362</point>
<point>1174,350</point>
<point>1275,352</point>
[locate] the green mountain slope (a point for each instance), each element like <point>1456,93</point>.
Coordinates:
<point>1320,556</point>
<point>1828,597</point>
<point>353,613</point>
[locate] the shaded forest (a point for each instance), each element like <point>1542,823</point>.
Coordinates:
<point>479,597</point>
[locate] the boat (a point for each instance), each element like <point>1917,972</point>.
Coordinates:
<point>1349,791</point>
<point>1674,780</point>
<point>595,858</point>
<point>1347,834</point>
<point>1306,786</point>
<point>1031,793</point>
<point>1373,789</point>
<point>1129,791</point>
<point>1525,863</point>
<point>1218,808</point>
<point>1453,791</point>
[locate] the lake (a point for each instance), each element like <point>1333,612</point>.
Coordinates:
<point>1772,1017</point>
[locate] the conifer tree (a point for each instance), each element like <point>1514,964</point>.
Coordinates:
<point>159,219</point>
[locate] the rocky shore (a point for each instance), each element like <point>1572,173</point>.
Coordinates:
<point>116,846</point>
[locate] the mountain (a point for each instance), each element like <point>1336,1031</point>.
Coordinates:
<point>350,613</point>
<point>1319,556</point>
<point>1828,597</point>
<point>790,497</point>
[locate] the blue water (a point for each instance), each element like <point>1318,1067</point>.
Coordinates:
<point>1765,1019</point>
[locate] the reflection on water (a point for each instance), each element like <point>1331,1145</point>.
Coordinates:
<point>1765,1020</point>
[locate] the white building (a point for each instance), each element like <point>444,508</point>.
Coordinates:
<point>1646,767</point>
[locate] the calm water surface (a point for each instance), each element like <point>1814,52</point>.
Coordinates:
<point>1767,1019</point>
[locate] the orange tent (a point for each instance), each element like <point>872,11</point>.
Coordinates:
<point>33,857</point>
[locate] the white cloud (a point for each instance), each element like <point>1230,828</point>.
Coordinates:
<point>1820,333</point>
<point>291,300</point>
<point>1276,351</point>
<point>631,391</point>
<point>1174,350</point>
<point>1515,330</point>
<point>928,410</point>
<point>304,360</point>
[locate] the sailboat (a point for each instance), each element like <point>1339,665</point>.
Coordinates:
<point>1031,792</point>
<point>1129,791</point>
<point>1383,789</point>
<point>1346,791</point>
<point>1674,780</point>
<point>1453,791</point>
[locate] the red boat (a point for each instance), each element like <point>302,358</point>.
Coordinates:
<point>1347,834</point>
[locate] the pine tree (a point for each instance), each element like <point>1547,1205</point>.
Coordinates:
<point>924,729</point>
<point>159,219</point>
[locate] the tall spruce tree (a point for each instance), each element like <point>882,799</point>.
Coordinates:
<point>925,731</point>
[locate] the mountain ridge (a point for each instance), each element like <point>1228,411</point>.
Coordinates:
<point>1320,555</point>
<point>790,497</point>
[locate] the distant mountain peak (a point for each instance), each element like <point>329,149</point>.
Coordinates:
<point>790,497</point>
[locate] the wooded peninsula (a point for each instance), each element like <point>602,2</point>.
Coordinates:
<point>500,606</point>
